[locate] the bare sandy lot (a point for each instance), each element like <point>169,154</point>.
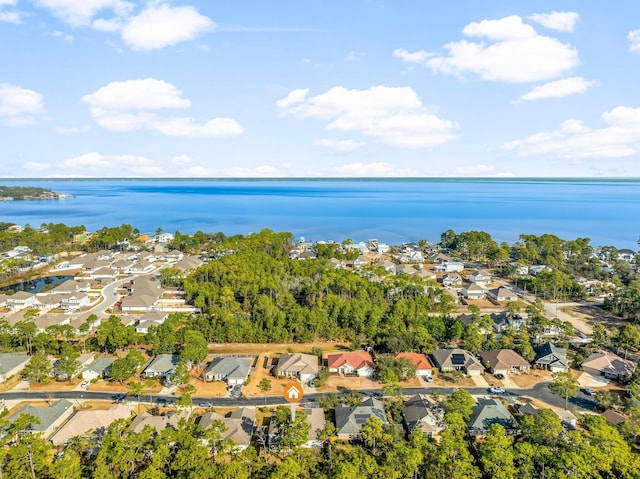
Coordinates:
<point>531,378</point>
<point>592,315</point>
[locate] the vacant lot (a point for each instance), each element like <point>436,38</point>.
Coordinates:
<point>592,314</point>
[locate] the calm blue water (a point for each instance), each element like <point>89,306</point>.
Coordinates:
<point>607,211</point>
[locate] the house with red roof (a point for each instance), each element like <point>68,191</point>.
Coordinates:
<point>423,365</point>
<point>351,363</point>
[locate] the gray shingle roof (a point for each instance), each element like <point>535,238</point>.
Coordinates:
<point>46,415</point>
<point>229,367</point>
<point>349,419</point>
<point>488,411</point>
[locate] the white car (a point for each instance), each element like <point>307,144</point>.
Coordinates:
<point>85,384</point>
<point>497,390</point>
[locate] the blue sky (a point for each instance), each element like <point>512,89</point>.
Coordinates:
<point>115,88</point>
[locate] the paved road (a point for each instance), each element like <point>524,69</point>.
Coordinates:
<point>540,392</point>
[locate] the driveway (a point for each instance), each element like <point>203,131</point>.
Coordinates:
<point>480,381</point>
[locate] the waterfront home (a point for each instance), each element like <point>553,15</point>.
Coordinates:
<point>234,371</point>
<point>504,361</point>
<point>609,365</point>
<point>447,360</point>
<point>357,363</point>
<point>422,412</point>
<point>552,358</point>
<point>297,365</point>
<point>350,419</point>
<point>488,411</point>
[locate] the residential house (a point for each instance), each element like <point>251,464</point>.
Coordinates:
<point>504,361</point>
<point>315,418</point>
<point>423,366</point>
<point>450,267</point>
<point>351,363</point>
<point>457,359</point>
<point>613,417</point>
<point>84,360</point>
<point>536,270</point>
<point>21,300</point>
<point>159,423</point>
<point>452,280</point>
<point>502,294</point>
<point>239,426</point>
<point>49,417</point>
<point>297,365</point>
<point>608,365</point>
<point>422,412</point>
<point>11,364</point>
<point>98,369</point>
<point>233,370</point>
<point>473,291</point>
<point>104,273</point>
<point>482,277</point>
<point>91,424</point>
<point>350,419</point>
<point>161,366</point>
<point>552,358</point>
<point>488,411</point>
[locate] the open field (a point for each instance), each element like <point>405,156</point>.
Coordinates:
<point>592,314</point>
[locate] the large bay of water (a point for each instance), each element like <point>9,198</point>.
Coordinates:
<point>392,210</point>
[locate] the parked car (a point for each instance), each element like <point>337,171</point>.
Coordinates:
<point>85,384</point>
<point>498,376</point>
<point>589,391</point>
<point>497,390</point>
<point>206,404</point>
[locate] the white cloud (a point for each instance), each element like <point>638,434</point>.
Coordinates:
<point>561,21</point>
<point>293,98</point>
<point>634,39</point>
<point>620,138</point>
<point>145,94</point>
<point>339,145</point>
<point>11,17</point>
<point>196,172</point>
<point>19,106</point>
<point>406,56</point>
<point>559,88</point>
<point>374,169</point>
<point>392,115</point>
<point>188,127</point>
<point>94,163</point>
<point>130,105</point>
<point>514,53</point>
<point>161,25</point>
<point>475,170</point>
<point>80,12</point>
<point>36,165</point>
<point>181,160</point>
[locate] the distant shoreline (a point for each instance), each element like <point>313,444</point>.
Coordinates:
<point>26,193</point>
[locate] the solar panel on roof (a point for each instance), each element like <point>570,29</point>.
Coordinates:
<point>457,359</point>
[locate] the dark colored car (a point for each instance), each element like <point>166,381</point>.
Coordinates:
<point>499,376</point>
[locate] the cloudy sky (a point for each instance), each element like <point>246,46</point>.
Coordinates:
<point>317,88</point>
